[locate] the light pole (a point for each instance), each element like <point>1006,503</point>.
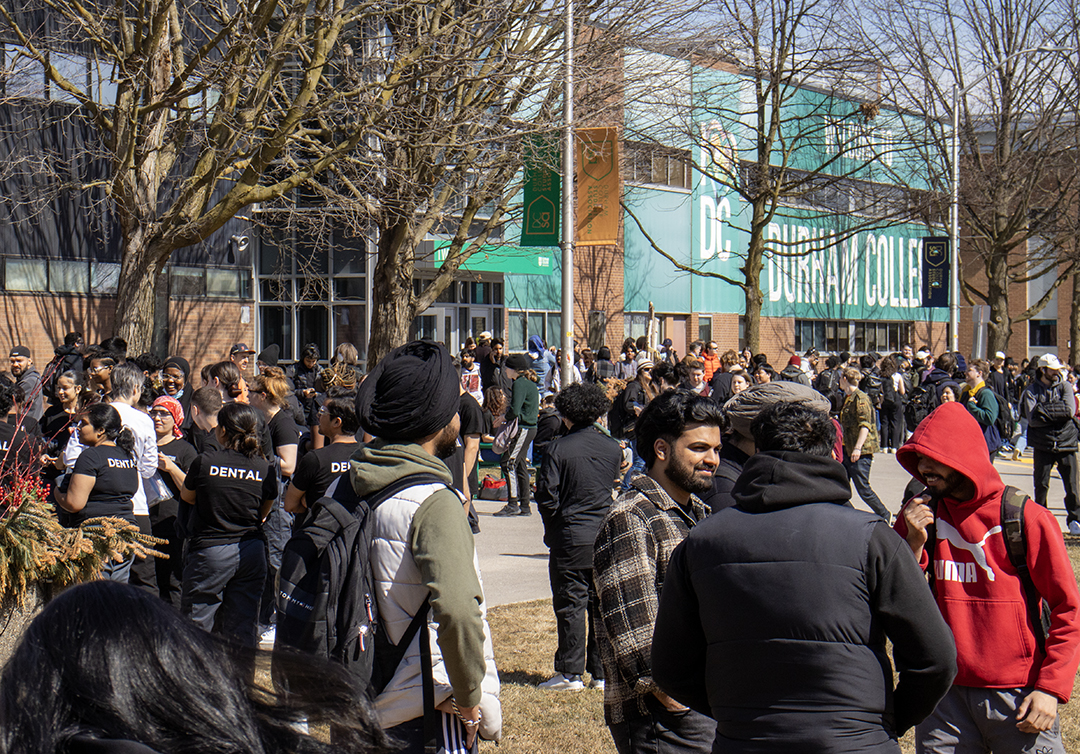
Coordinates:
<point>954,219</point>
<point>568,205</point>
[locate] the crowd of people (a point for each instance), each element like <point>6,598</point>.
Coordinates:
<point>707,568</point>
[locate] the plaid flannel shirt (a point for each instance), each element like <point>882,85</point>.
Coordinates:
<point>630,560</point>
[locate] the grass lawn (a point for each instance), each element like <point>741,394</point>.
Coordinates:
<point>572,722</point>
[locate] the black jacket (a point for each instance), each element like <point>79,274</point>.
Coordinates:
<point>775,612</point>
<point>727,472</point>
<point>720,387</point>
<point>1049,411</point>
<point>573,492</point>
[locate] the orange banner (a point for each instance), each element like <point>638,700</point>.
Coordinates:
<point>597,187</point>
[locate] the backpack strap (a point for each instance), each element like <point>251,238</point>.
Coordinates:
<point>1012,529</point>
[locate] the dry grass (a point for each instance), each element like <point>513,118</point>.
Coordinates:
<point>542,722</point>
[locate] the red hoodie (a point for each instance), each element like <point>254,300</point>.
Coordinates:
<point>976,586</point>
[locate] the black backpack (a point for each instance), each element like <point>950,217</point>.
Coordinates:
<point>1012,529</point>
<point>325,594</point>
<point>871,385</point>
<point>1004,420</point>
<point>921,401</point>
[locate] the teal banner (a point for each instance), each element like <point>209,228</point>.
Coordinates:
<point>543,192</point>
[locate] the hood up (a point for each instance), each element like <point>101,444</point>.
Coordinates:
<point>536,346</point>
<point>950,435</point>
<point>774,480</point>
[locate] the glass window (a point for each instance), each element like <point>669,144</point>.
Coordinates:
<point>272,258</point>
<point>313,325</point>
<point>350,288</point>
<point>26,275</point>
<point>1042,333</point>
<point>554,330</point>
<point>187,281</point>
<point>479,325</point>
<point>497,294</point>
<point>424,327</point>
<point>350,326</point>
<point>276,326</point>
<point>536,325</point>
<point>519,331</point>
<point>222,283</point>
<point>69,277</point>
<point>704,329</point>
<point>273,289</point>
<point>104,277</point>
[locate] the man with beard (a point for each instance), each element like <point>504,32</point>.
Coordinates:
<point>27,377</point>
<point>678,436</point>
<point>775,612</point>
<point>422,555</point>
<point>1012,672</point>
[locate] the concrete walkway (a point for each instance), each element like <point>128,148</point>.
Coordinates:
<point>513,558</point>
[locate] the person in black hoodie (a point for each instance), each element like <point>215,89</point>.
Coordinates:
<point>573,494</point>
<point>775,613</point>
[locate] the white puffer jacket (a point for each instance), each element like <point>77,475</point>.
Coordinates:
<point>400,593</point>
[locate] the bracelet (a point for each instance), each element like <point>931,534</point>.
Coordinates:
<point>469,723</point>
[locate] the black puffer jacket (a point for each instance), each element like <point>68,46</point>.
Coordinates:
<point>775,612</point>
<point>1049,411</point>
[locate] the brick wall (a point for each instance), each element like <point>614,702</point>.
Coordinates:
<point>778,340</point>
<point>598,286</point>
<point>201,331</point>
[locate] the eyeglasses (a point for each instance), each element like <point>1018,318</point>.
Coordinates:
<point>160,414</point>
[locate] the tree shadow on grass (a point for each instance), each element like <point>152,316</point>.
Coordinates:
<point>520,677</point>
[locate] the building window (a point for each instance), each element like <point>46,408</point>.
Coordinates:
<point>523,325</point>
<point>209,282</point>
<point>311,289</point>
<point>841,335</point>
<point>1042,333</point>
<point>60,276</point>
<point>704,329</point>
<point>657,165</point>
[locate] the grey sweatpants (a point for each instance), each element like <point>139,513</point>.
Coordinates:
<point>975,721</point>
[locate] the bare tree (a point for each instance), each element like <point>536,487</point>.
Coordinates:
<point>1018,167</point>
<point>785,116</point>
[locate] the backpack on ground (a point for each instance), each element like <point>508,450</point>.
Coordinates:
<point>1013,501</point>
<point>921,401</point>
<point>325,594</point>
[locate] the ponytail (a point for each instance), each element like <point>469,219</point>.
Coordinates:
<point>239,423</point>
<point>125,440</point>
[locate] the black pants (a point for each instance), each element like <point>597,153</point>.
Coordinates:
<point>222,586</point>
<point>1045,461</point>
<point>664,732</point>
<point>515,468</point>
<point>144,570</point>
<point>859,473</point>
<point>892,425</point>
<point>170,573</point>
<point>573,596</point>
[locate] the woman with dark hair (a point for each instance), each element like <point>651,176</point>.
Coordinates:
<point>233,490</point>
<point>525,408</point>
<point>494,411</point>
<point>105,477</point>
<point>893,391</point>
<point>175,382</point>
<point>226,377</point>
<point>304,375</point>
<point>145,680</point>
<point>59,420</point>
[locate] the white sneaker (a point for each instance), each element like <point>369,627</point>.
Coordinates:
<point>560,682</point>
<point>267,638</point>
<point>597,683</point>
<point>1074,527</point>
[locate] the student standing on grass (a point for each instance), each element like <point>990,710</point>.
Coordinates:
<point>775,612</point>
<point>678,435</point>
<point>525,407</point>
<point>573,494</point>
<point>1010,680</point>
<point>319,468</point>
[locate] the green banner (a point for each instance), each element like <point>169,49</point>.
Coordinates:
<point>543,192</point>
<point>505,259</point>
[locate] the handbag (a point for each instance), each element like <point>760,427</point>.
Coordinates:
<point>505,436</point>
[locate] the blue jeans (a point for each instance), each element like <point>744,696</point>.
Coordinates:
<point>636,468</point>
<point>859,473</point>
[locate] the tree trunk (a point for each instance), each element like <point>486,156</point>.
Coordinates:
<point>391,299</point>
<point>755,263</point>
<point>135,293</point>
<point>1074,322</point>
<point>999,328</point>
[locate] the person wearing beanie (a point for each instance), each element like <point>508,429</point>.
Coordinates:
<point>740,412</point>
<point>793,372</point>
<point>525,408</point>
<point>422,553</point>
<point>175,381</point>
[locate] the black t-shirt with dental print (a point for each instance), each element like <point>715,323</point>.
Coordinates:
<point>229,490</point>
<point>319,468</point>
<point>116,480</point>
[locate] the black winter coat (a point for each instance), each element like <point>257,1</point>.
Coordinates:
<point>1049,411</point>
<point>774,617</point>
<point>573,492</point>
